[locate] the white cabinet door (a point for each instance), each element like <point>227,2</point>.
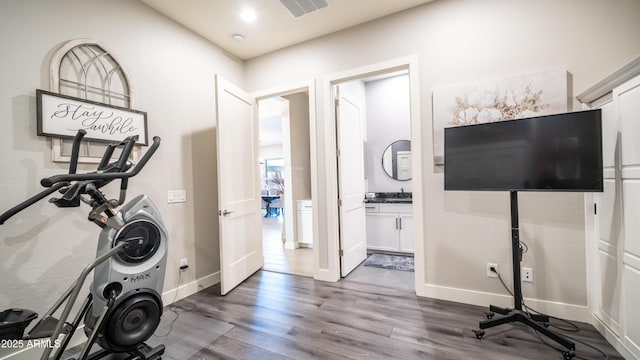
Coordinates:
<point>382,232</point>
<point>631,299</point>
<point>608,223</point>
<point>626,99</point>
<point>390,229</point>
<point>305,223</point>
<point>406,233</point>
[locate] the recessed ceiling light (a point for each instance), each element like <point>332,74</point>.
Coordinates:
<point>248,15</point>
<point>237,37</point>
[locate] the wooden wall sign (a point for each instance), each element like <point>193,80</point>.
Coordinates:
<point>62,116</point>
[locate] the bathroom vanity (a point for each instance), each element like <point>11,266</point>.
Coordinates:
<point>389,222</point>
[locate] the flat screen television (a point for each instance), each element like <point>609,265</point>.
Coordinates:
<point>561,152</point>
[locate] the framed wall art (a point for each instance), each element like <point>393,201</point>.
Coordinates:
<point>512,97</point>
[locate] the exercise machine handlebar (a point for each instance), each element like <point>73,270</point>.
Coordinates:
<point>75,151</point>
<point>30,201</point>
<point>72,184</point>
<point>96,176</point>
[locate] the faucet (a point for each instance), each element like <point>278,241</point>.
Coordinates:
<point>402,190</point>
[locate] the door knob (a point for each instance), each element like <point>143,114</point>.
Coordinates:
<point>224,213</point>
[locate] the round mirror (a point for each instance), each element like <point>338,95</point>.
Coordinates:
<point>396,160</point>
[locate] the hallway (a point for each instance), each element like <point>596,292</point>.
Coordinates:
<point>279,259</point>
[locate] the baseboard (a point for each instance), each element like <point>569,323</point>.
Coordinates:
<point>560,310</point>
<point>325,275</point>
<point>183,291</point>
<point>612,338</point>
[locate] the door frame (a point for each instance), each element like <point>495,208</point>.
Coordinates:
<point>410,63</point>
<point>308,86</point>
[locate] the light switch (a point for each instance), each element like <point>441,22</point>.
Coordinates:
<point>176,196</point>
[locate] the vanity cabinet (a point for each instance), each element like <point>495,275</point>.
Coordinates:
<point>389,227</point>
<point>305,223</point>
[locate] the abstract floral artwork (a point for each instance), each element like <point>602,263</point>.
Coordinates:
<point>512,97</point>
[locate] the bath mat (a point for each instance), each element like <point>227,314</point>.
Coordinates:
<point>393,262</point>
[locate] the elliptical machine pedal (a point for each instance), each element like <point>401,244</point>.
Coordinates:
<point>124,306</point>
<point>142,352</point>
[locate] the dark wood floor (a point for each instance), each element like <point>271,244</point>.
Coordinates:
<point>279,316</point>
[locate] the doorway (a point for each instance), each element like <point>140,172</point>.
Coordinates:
<point>386,177</point>
<point>416,240</point>
<point>286,183</point>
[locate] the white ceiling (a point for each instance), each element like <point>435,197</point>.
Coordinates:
<point>274,28</point>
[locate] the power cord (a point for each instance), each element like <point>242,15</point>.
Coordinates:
<point>174,309</point>
<point>573,327</point>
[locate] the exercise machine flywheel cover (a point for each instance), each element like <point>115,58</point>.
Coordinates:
<point>144,231</point>
<point>131,322</point>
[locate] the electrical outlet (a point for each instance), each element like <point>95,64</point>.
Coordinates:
<point>184,264</point>
<point>492,273</point>
<point>527,274</point>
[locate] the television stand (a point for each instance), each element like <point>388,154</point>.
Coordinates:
<point>538,322</point>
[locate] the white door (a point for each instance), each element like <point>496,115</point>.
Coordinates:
<point>351,186</point>
<point>238,185</point>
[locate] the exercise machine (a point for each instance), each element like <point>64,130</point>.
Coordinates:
<point>124,306</point>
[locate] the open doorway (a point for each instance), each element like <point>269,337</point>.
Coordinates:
<point>286,183</point>
<point>387,180</point>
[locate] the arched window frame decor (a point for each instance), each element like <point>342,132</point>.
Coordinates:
<point>93,62</point>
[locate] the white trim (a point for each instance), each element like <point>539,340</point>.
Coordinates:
<point>330,165</point>
<point>326,275</point>
<point>591,242</point>
<point>188,289</point>
<point>331,180</point>
<point>286,89</point>
<point>611,337</point>
<point>480,298</point>
<point>603,87</point>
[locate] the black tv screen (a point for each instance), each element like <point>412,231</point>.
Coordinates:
<point>561,152</point>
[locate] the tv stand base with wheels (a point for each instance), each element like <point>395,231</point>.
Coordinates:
<point>538,322</point>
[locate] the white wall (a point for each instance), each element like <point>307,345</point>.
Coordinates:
<point>270,152</point>
<point>388,120</point>
<point>44,248</point>
<point>459,41</point>
<point>299,139</point>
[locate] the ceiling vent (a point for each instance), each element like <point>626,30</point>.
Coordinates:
<point>299,8</point>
